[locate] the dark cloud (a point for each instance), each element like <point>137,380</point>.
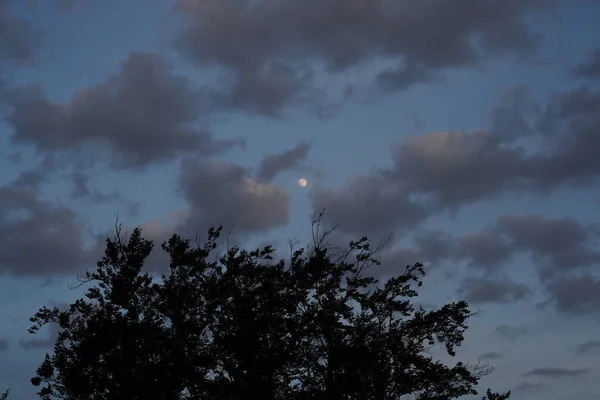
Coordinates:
<point>43,343</point>
<point>63,5</point>
<point>516,115</point>
<point>561,249</point>
<point>405,76</point>
<point>444,171</point>
<point>509,332</point>
<point>590,68</point>
<point>81,190</point>
<point>144,114</point>
<point>492,355</point>
<point>16,36</point>
<point>486,248</point>
<point>266,90</point>
<point>557,372</point>
<point>575,294</point>
<point>272,164</point>
<point>430,173</point>
<point>369,205</point>
<point>591,346</point>
<point>30,178</point>
<point>3,344</point>
<point>569,127</point>
<point>226,194</point>
<point>557,245</point>
<point>440,165</point>
<point>245,37</point>
<point>485,290</point>
<point>30,227</point>
<point>528,387</point>
<point>67,5</point>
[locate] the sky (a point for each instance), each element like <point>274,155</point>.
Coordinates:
<point>467,130</point>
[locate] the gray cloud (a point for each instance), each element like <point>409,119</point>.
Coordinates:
<point>557,245</point>
<point>267,90</point>
<point>575,294</point>
<point>528,387</point>
<point>66,5</point>
<point>16,36</point>
<point>3,345</point>
<point>485,290</point>
<point>30,226</point>
<point>369,204</point>
<point>557,372</point>
<point>492,355</point>
<point>226,194</point>
<point>245,37</point>
<point>81,190</point>
<point>590,346</point>
<point>143,114</point>
<point>272,164</point>
<point>568,127</point>
<point>509,332</point>
<point>590,68</point>
<point>43,343</point>
<point>516,115</point>
<point>435,172</point>
<point>405,76</point>
<point>486,248</point>
<point>31,178</point>
<point>430,173</point>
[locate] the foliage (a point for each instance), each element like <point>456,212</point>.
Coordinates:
<point>241,326</point>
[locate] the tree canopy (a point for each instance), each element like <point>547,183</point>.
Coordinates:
<point>237,324</point>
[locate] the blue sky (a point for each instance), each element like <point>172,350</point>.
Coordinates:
<point>465,129</point>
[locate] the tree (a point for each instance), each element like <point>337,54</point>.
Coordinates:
<point>240,325</point>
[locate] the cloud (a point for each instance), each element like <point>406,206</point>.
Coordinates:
<point>272,164</point>
<point>557,372</point>
<point>3,344</point>
<point>485,290</point>
<point>53,330</point>
<point>225,194</point>
<point>492,355</point>
<point>405,76</point>
<point>485,248</point>
<point>267,89</point>
<point>591,346</point>
<point>435,172</point>
<point>430,173</point>
<point>142,115</point>
<point>30,226</point>
<point>368,205</point>
<point>568,128</point>
<point>66,5</point>
<point>81,190</point>
<point>516,115</point>
<point>245,37</point>
<point>441,165</point>
<point>590,68</point>
<point>509,332</point>
<point>16,36</point>
<point>528,387</point>
<point>575,294</point>
<point>557,245</point>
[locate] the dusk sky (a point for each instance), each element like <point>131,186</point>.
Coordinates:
<point>467,129</point>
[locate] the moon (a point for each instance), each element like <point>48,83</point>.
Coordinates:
<point>302,182</point>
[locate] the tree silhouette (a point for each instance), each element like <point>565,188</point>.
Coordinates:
<point>240,325</point>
